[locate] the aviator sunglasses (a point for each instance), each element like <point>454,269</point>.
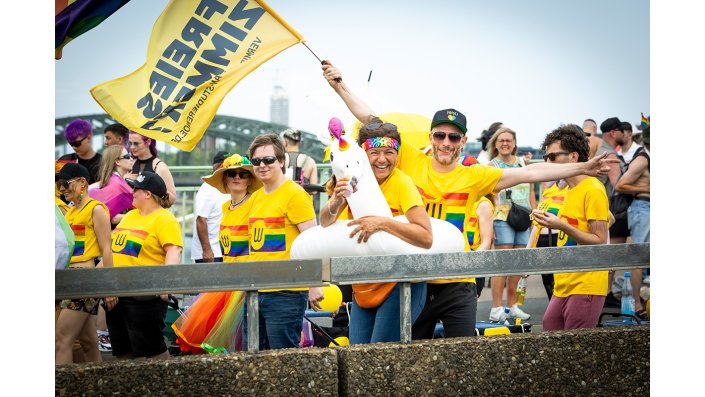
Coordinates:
<point>269,160</point>
<point>239,173</point>
<point>454,137</point>
<point>553,156</point>
<point>63,183</point>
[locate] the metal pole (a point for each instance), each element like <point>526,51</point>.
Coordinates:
<point>183,224</point>
<point>252,321</point>
<point>405,312</point>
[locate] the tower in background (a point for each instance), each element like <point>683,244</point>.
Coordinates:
<point>279,106</point>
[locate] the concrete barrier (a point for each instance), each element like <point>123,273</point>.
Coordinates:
<point>596,362</point>
<point>289,372</point>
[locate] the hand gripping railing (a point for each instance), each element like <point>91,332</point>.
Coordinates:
<point>155,280</point>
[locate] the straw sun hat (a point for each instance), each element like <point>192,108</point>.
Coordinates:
<point>232,163</point>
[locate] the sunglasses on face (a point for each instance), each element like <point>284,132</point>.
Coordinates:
<point>77,143</point>
<point>454,137</point>
<point>269,160</point>
<point>124,157</point>
<point>241,174</point>
<point>553,156</point>
<point>64,184</point>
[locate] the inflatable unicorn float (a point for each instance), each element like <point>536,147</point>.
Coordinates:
<point>349,160</point>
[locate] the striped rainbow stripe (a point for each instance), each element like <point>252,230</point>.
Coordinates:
<point>79,231</point>
<point>274,234</point>
<point>471,237</point>
<point>133,245</point>
<point>239,241</point>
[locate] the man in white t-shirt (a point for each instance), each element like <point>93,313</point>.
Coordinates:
<point>627,146</point>
<point>207,213</point>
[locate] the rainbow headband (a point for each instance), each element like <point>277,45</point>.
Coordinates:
<point>381,142</point>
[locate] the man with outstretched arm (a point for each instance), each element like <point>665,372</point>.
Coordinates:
<point>448,191</point>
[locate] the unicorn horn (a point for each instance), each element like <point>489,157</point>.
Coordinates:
<point>335,127</point>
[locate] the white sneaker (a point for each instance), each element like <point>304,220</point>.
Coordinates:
<point>515,311</point>
<point>497,314</point>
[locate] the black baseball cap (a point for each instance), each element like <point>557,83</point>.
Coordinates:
<point>149,181</point>
<point>72,170</point>
<point>220,157</point>
<point>450,116</point>
<point>610,124</point>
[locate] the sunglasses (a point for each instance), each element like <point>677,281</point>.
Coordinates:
<point>124,157</point>
<point>388,127</point>
<point>77,143</point>
<point>239,173</point>
<point>553,156</point>
<point>454,137</point>
<point>269,160</point>
<point>62,183</point>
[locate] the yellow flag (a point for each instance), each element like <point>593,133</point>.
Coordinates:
<point>198,51</point>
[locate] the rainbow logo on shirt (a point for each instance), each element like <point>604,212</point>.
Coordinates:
<point>450,208</point>
<point>234,240</point>
<point>267,234</point>
<point>471,229</point>
<point>79,232</point>
<point>563,239</point>
<point>128,241</point>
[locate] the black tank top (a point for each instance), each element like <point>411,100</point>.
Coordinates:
<point>146,165</point>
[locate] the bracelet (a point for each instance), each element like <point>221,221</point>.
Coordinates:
<point>331,212</point>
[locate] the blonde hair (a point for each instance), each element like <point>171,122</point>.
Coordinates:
<point>107,163</point>
<point>492,149</point>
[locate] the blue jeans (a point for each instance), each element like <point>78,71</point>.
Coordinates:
<point>281,317</point>
<point>381,324</point>
<point>639,223</point>
<point>506,235</point>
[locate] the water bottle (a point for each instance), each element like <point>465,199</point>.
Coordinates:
<point>506,315</point>
<point>521,291</point>
<point>627,295</point>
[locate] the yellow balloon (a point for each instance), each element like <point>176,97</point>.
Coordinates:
<point>332,298</point>
<point>342,341</point>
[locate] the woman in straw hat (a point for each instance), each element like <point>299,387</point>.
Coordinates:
<point>213,323</point>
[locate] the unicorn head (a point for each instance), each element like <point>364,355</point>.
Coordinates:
<point>349,161</point>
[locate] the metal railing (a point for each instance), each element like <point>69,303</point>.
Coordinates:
<point>405,269</point>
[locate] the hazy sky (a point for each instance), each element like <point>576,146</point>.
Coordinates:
<point>529,64</point>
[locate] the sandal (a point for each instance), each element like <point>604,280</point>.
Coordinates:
<point>642,315</point>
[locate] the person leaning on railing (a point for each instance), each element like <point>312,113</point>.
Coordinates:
<point>147,235</point>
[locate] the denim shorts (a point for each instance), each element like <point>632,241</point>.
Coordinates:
<point>506,235</point>
<point>639,222</point>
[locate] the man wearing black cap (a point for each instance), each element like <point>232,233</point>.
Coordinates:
<point>448,191</point>
<point>207,212</point>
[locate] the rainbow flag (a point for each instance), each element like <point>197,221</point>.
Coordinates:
<point>644,121</point>
<point>73,18</point>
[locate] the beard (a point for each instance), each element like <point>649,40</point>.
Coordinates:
<point>454,157</point>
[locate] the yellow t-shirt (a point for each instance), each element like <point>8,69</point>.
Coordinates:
<point>272,222</point>
<point>472,226</point>
<point>139,240</point>
<point>586,201</point>
<point>446,195</point>
<point>61,204</point>
<point>552,200</point>
<point>81,222</point>
<point>399,191</point>
<point>234,236</point>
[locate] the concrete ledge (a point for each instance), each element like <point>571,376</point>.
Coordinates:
<point>289,372</point>
<point>597,362</point>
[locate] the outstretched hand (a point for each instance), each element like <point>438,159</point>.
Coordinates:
<point>599,165</point>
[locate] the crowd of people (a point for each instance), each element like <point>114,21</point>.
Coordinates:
<point>254,205</point>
